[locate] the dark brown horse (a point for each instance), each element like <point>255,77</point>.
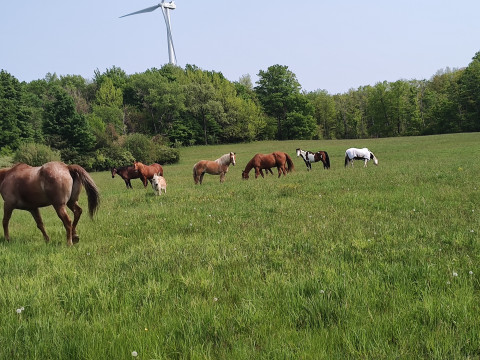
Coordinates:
<point>217,167</point>
<point>147,171</point>
<point>30,188</point>
<point>126,173</point>
<point>266,161</point>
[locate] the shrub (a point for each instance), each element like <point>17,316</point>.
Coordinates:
<point>35,154</point>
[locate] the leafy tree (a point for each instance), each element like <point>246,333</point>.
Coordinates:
<point>14,125</point>
<point>279,93</point>
<point>325,113</point>
<point>275,86</point>
<point>64,128</point>
<point>469,94</point>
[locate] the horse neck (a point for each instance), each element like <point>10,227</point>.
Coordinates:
<point>249,166</point>
<point>224,160</point>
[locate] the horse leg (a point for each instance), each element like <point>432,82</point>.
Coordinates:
<point>38,219</point>
<point>7,213</point>
<point>222,177</point>
<point>201,177</point>
<point>261,173</point>
<point>129,184</point>
<point>365,163</point>
<point>258,172</point>
<point>63,215</point>
<point>77,212</point>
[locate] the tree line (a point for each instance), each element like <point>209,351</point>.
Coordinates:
<point>115,118</point>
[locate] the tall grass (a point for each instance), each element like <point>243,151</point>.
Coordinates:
<point>376,262</point>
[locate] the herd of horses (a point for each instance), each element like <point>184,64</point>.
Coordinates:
<point>56,184</point>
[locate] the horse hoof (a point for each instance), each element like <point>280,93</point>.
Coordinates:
<point>75,239</point>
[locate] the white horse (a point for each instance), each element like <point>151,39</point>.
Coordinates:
<point>159,184</point>
<point>359,154</point>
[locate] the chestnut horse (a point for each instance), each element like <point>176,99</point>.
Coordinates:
<point>30,188</point>
<point>217,167</point>
<point>147,172</point>
<point>126,173</point>
<point>267,161</point>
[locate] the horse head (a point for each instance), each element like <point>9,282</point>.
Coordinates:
<point>299,151</point>
<point>114,171</point>
<point>374,158</point>
<point>232,158</point>
<point>244,175</point>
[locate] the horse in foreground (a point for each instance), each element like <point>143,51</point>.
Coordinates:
<point>359,154</point>
<point>147,172</point>
<point>217,167</point>
<point>310,157</point>
<point>30,188</point>
<point>159,184</point>
<point>276,159</point>
<point>126,173</point>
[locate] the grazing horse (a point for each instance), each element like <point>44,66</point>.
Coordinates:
<point>159,184</point>
<point>147,172</point>
<point>359,154</point>
<point>217,167</point>
<point>126,173</point>
<point>266,161</point>
<point>310,157</point>
<point>30,188</point>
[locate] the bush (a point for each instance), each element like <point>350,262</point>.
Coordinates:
<point>35,154</point>
<point>147,151</point>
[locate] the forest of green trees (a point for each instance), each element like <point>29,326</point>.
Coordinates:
<point>115,118</point>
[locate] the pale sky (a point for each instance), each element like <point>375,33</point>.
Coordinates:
<point>333,45</point>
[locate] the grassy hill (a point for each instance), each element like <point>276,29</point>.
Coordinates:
<point>376,262</point>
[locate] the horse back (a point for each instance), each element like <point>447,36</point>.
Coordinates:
<point>27,187</point>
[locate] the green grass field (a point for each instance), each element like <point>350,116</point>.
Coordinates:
<point>360,263</point>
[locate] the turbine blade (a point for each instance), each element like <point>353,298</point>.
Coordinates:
<point>149,9</point>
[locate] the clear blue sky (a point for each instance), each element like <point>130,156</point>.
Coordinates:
<point>334,45</point>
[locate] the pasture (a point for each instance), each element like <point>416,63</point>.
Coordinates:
<point>378,262</point>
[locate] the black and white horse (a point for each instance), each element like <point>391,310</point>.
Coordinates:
<point>310,157</point>
<point>359,154</point>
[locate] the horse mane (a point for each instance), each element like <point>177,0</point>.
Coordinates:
<point>224,159</point>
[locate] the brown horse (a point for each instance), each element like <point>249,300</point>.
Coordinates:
<point>30,188</point>
<point>217,167</point>
<point>267,161</point>
<point>126,173</point>
<point>147,172</point>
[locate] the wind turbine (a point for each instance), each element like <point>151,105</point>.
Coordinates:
<point>166,7</point>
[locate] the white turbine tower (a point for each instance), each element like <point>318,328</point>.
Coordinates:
<point>166,7</point>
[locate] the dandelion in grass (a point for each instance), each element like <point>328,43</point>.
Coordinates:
<point>19,311</point>
<point>322,291</point>
<point>215,299</point>
<point>455,274</point>
<point>470,272</point>
<point>134,354</point>
<point>448,282</point>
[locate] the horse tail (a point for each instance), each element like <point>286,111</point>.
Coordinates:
<point>327,160</point>
<point>346,159</point>
<point>289,163</point>
<point>93,195</point>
